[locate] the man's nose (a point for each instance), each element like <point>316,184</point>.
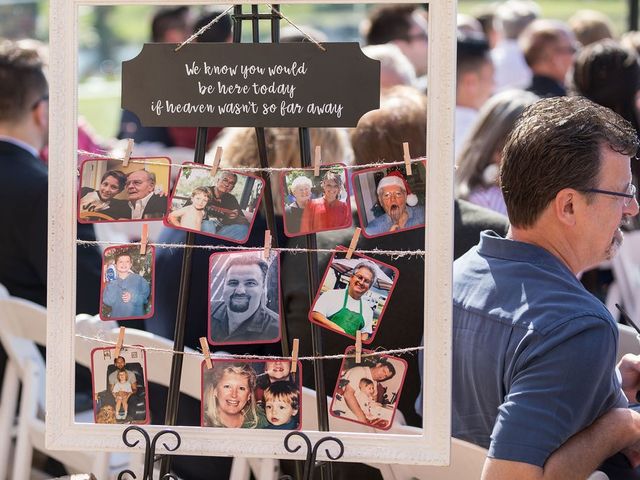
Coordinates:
<point>632,209</point>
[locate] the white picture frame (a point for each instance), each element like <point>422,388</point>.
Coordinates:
<point>62,433</point>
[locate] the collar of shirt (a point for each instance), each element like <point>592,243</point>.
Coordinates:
<point>139,206</point>
<point>19,143</point>
<point>493,245</point>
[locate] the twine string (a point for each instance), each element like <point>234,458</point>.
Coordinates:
<point>203,29</point>
<point>394,254</point>
<point>378,351</point>
<point>250,169</point>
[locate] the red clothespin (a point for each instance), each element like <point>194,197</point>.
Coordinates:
<point>144,239</point>
<point>294,355</point>
<point>127,152</point>
<point>354,242</point>
<point>119,342</point>
<point>205,350</point>
<point>407,158</point>
<point>358,347</point>
<point>216,161</point>
<point>317,160</point>
<point>267,244</point>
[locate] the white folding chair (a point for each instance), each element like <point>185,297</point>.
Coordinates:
<point>22,327</point>
<point>626,273</point>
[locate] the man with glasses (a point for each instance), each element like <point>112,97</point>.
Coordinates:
<point>401,209</point>
<point>344,309</point>
<point>534,354</point>
<point>142,201</point>
<point>224,214</point>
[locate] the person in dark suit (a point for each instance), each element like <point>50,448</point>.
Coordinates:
<point>24,111</point>
<point>142,202</point>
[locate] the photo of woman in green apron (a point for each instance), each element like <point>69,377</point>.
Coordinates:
<point>352,296</point>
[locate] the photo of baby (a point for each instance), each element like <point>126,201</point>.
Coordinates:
<point>368,393</point>
<point>120,385</point>
<point>127,283</point>
<point>251,394</point>
<point>221,206</point>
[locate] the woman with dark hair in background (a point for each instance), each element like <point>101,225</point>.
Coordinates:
<point>609,74</point>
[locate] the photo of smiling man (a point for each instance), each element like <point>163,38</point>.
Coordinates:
<point>244,298</point>
<point>353,296</point>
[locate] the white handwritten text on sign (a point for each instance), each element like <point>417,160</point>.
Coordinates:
<point>293,84</point>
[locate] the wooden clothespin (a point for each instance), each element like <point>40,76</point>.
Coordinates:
<point>127,152</point>
<point>205,350</point>
<point>216,161</point>
<point>144,239</point>
<point>120,342</point>
<point>407,158</point>
<point>294,355</point>
<point>267,244</point>
<point>354,242</point>
<point>358,347</point>
<point>317,160</point>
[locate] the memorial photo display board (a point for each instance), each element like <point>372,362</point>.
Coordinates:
<point>286,85</point>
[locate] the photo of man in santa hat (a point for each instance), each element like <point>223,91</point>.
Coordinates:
<point>401,209</point>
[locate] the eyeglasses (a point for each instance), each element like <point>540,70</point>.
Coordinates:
<point>362,279</point>
<point>394,195</point>
<point>629,195</point>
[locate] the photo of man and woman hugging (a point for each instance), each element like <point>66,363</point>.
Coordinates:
<point>251,394</point>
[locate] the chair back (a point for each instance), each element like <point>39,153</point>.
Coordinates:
<point>626,272</point>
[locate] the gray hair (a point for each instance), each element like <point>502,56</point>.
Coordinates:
<point>369,266</point>
<point>513,16</point>
<point>301,181</point>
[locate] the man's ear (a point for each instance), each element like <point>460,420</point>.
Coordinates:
<point>565,205</point>
<point>41,114</point>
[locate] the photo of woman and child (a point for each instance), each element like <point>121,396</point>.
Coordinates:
<point>235,395</point>
<point>126,294</point>
<point>316,204</point>
<point>119,385</point>
<point>368,393</point>
<point>223,206</point>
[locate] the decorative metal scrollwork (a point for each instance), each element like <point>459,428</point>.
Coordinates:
<point>149,452</point>
<point>312,452</point>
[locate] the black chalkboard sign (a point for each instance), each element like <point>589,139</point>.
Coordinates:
<point>251,85</point>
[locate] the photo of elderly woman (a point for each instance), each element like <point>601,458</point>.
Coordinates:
<point>229,397</point>
<point>127,283</point>
<point>353,295</point>
<point>111,192</point>
<point>316,204</point>
<point>223,206</point>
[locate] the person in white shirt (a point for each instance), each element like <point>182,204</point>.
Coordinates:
<point>474,84</point>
